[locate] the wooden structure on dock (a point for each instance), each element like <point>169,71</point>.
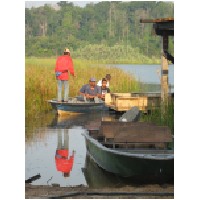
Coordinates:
<point>163,27</point>
<point>145,101</point>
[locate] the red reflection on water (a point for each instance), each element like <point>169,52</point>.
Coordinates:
<point>64,161</point>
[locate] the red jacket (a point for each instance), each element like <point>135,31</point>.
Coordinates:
<point>64,64</point>
<point>63,164</point>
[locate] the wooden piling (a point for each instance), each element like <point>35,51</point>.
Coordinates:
<point>164,69</point>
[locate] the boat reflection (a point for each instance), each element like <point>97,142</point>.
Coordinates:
<point>70,121</point>
<point>64,161</point>
<point>63,121</point>
<point>96,177</point>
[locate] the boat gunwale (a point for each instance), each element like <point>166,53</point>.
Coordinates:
<point>77,103</point>
<point>155,156</point>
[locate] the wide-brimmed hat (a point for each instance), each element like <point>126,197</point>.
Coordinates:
<point>92,79</point>
<point>66,50</point>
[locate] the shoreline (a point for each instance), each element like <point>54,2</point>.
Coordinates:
<point>153,191</point>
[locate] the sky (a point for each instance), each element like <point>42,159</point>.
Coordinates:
<point>29,4</point>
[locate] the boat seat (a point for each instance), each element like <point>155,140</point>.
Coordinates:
<point>93,125</point>
<point>137,135</point>
<point>144,134</point>
<point>109,130</point>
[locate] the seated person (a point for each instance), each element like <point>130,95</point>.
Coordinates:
<point>82,90</point>
<point>104,88</point>
<point>92,90</point>
<point>108,78</point>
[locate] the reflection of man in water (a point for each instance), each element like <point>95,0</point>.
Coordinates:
<point>64,162</point>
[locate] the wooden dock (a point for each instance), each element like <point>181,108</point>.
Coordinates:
<point>143,100</point>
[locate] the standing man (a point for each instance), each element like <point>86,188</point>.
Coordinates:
<point>64,65</point>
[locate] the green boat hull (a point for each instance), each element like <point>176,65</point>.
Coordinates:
<point>146,164</point>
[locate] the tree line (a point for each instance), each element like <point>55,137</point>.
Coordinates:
<point>106,26</point>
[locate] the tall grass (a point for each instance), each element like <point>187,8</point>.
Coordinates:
<point>164,115</point>
<point>41,85</point>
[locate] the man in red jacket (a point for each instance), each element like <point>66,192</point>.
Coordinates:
<point>64,65</point>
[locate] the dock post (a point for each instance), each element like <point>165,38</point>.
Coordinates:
<point>164,69</point>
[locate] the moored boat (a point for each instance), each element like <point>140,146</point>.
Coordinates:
<point>76,107</point>
<point>133,156</point>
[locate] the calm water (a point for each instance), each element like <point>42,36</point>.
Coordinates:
<point>50,133</point>
<point>40,157</point>
<point>65,132</point>
<point>147,73</point>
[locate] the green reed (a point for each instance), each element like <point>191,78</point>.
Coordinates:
<point>164,115</point>
<point>41,85</point>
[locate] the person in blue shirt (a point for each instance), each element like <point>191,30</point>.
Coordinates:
<point>91,90</point>
<point>82,90</point>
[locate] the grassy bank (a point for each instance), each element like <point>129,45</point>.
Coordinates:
<point>40,81</point>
